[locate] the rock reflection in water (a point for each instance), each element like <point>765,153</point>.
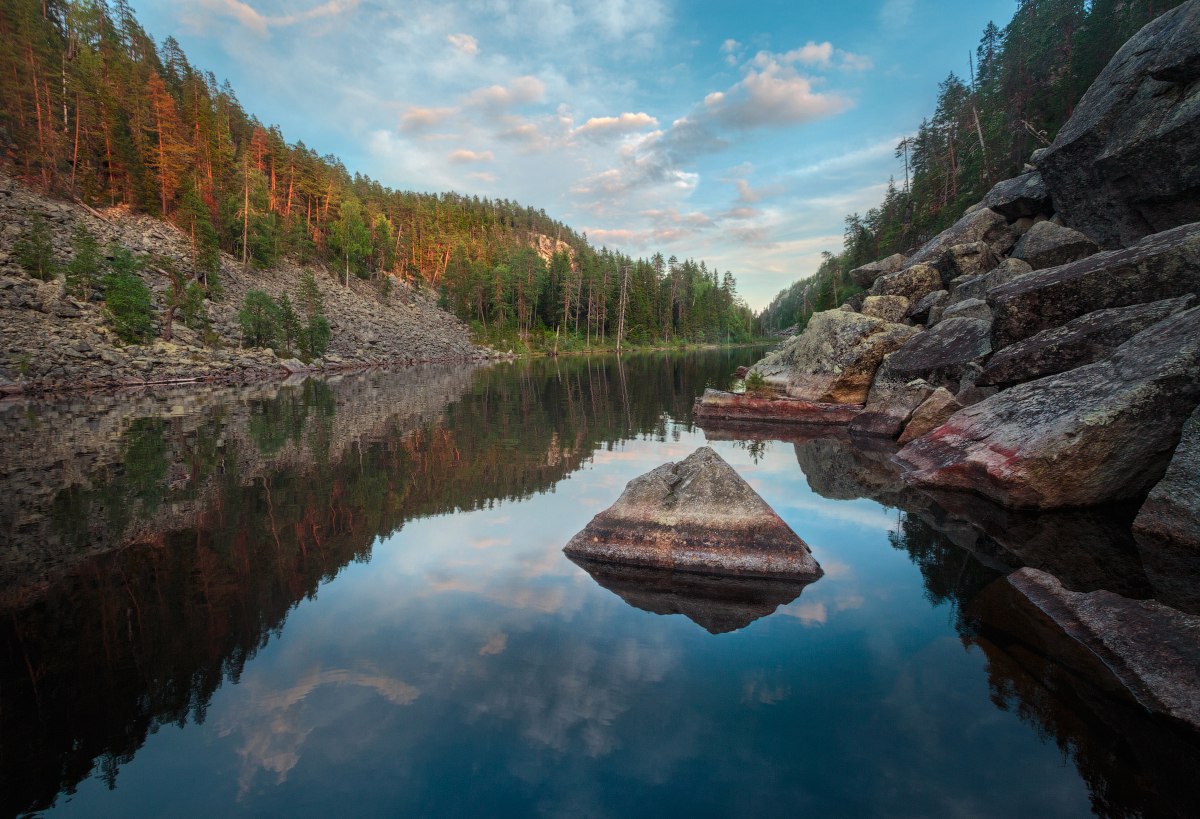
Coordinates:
<point>717,603</point>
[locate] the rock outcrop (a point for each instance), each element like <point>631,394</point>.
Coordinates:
<point>695,515</point>
<point>1152,649</point>
<point>834,360</point>
<point>1162,266</point>
<point>1127,163</point>
<point>1091,435</point>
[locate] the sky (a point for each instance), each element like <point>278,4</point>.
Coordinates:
<point>740,133</point>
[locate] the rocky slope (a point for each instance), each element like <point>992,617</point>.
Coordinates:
<point>1044,351</point>
<point>51,341</point>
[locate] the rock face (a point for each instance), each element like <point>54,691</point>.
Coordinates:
<point>1152,649</point>
<point>1161,266</point>
<point>1127,163</point>
<point>866,275</point>
<point>1047,244</point>
<point>695,515</point>
<point>1167,527</point>
<point>717,603</point>
<point>942,354</point>
<point>834,359</point>
<point>1082,341</point>
<point>1091,435</point>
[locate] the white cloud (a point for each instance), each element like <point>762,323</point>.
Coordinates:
<point>259,23</point>
<point>602,127</point>
<point>896,13</point>
<point>418,118</point>
<point>464,156</point>
<point>464,43</point>
<point>520,91</point>
<point>773,93</point>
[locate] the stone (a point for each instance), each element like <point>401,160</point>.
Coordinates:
<point>943,353</point>
<point>1161,266</point>
<point>889,308</point>
<point>1152,649</point>
<point>1127,162</point>
<point>970,308</point>
<point>717,603</point>
<point>293,365</point>
<point>719,406</point>
<point>983,225</point>
<point>1022,196</point>
<point>913,283</point>
<point>970,259</point>
<point>933,412</point>
<point>890,402</point>
<point>1095,434</point>
<point>834,360</point>
<point>866,275</point>
<point>1047,244</point>
<point>920,311</point>
<point>1167,527</point>
<point>695,515</point>
<point>1078,342</point>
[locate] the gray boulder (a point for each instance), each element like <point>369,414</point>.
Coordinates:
<point>1161,266</point>
<point>970,308</point>
<point>834,360</point>
<point>889,308</point>
<point>1095,434</point>
<point>1078,342</point>
<point>943,353</point>
<point>976,287</point>
<point>920,311</point>
<point>695,515</point>
<point>982,225</point>
<point>890,402</point>
<point>866,275</point>
<point>933,412</point>
<point>913,283</point>
<point>1047,244</point>
<point>1022,196</point>
<point>1167,528</point>
<point>970,259</point>
<point>1127,163</point>
<point>1152,649</point>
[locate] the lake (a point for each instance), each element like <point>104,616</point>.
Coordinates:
<point>349,597</point>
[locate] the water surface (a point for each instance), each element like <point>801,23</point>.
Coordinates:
<point>350,596</point>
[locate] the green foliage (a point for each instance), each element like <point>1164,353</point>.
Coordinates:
<point>259,319</point>
<point>289,326</point>
<point>35,251</point>
<point>86,267</point>
<point>757,385</point>
<point>315,338</point>
<point>127,300</point>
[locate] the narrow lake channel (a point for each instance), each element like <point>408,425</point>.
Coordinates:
<point>348,597</point>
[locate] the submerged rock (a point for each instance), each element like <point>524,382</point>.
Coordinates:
<point>1152,649</point>
<point>716,405</point>
<point>1127,162</point>
<point>717,603</point>
<point>1091,435</point>
<point>695,515</point>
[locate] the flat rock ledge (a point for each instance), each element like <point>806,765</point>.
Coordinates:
<point>1152,649</point>
<point>695,515</point>
<point>717,405</point>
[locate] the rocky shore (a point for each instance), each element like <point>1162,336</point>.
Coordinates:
<point>1041,357</point>
<point>51,341</point>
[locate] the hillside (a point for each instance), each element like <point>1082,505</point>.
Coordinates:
<point>1024,82</point>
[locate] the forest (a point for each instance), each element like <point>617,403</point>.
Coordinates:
<point>95,111</point>
<point>1022,84</point>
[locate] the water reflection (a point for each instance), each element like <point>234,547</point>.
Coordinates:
<point>716,603</point>
<point>271,600</point>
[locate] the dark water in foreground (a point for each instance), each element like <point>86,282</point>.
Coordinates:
<point>349,598</point>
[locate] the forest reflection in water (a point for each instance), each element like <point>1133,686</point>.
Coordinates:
<point>277,598</point>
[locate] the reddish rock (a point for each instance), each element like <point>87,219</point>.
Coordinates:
<point>716,405</point>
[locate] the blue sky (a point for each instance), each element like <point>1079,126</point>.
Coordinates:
<point>739,133</point>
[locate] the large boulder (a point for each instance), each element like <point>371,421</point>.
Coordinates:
<point>695,515</point>
<point>1078,342</point>
<point>1127,163</point>
<point>1161,266</point>
<point>1095,434</point>
<point>913,283</point>
<point>1152,649</point>
<point>717,406</point>
<point>967,260</point>
<point>943,353</point>
<point>834,360</point>
<point>981,225</point>
<point>976,287</point>
<point>890,402</point>
<point>969,308</point>
<point>1047,244</point>
<point>1022,196</point>
<point>889,308</point>
<point>1167,527</point>
<point>866,275</point>
<point>933,412</point>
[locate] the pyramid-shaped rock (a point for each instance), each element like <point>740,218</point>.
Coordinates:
<point>695,515</point>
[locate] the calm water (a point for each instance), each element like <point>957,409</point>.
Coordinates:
<point>350,598</point>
